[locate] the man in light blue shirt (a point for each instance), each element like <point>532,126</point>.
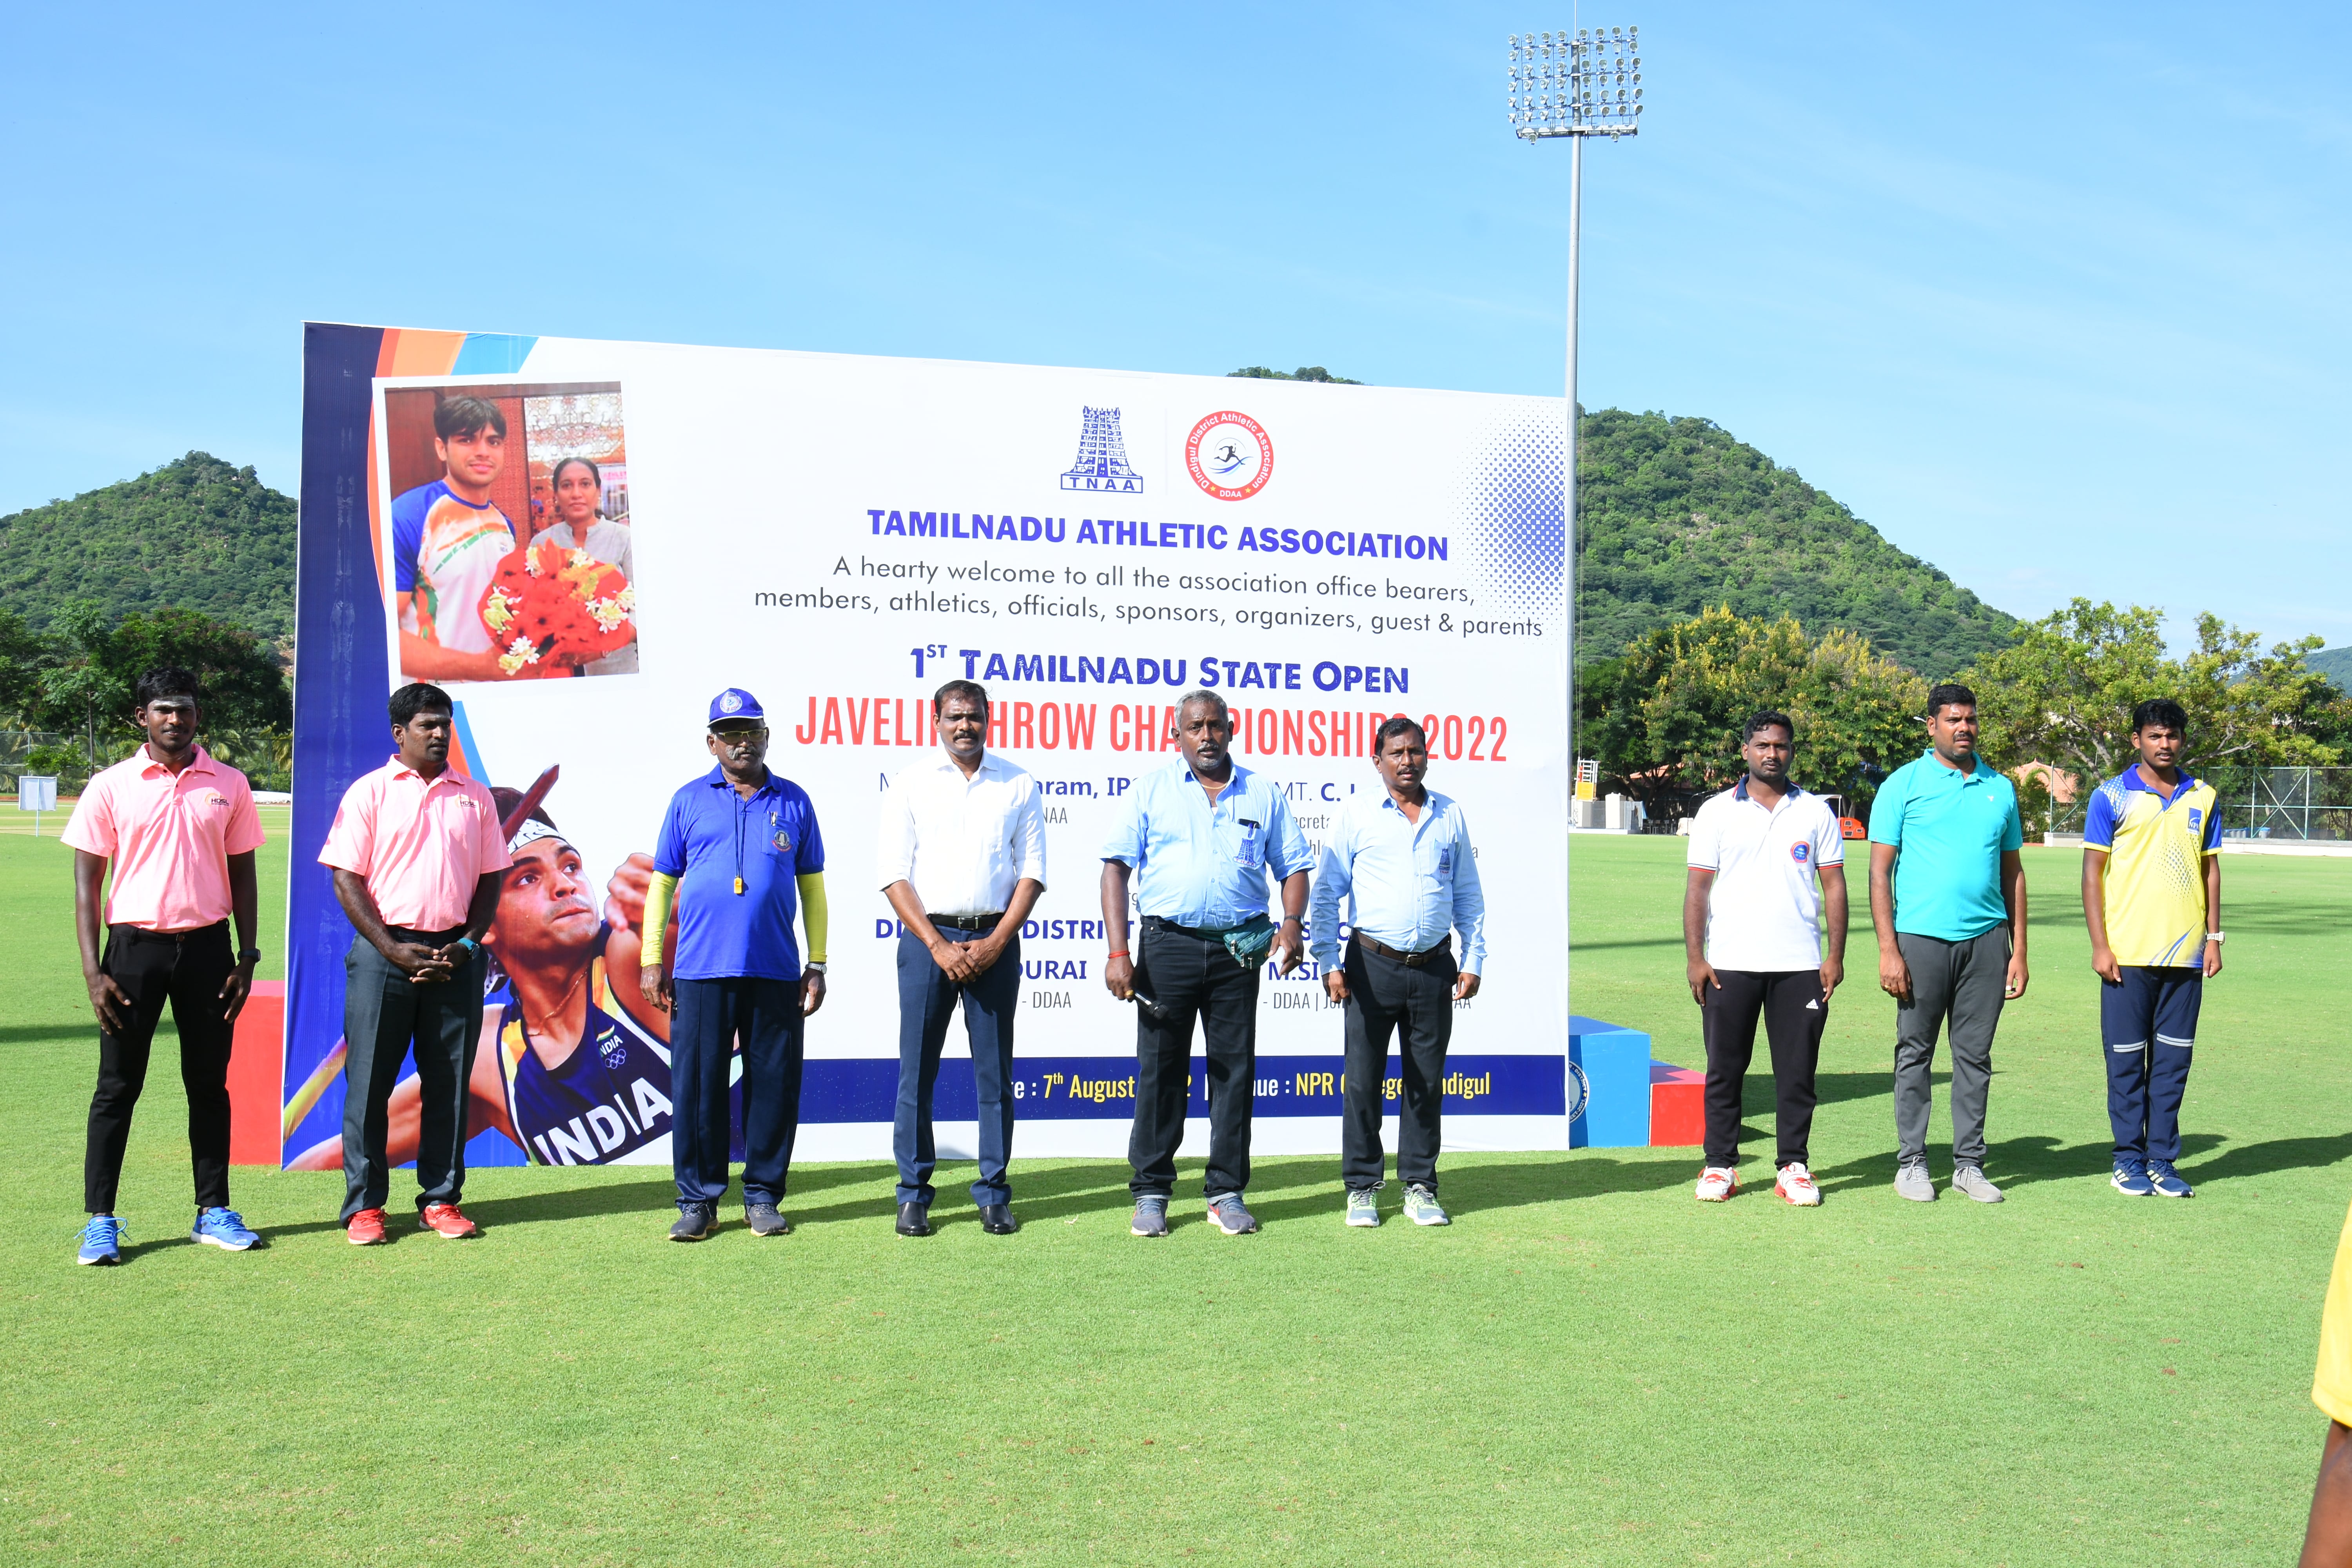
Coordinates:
<point>1947,898</point>
<point>1403,862</point>
<point>1200,835</point>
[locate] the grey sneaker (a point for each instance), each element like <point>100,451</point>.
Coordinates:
<point>1364,1207</point>
<point>1912,1181</point>
<point>1150,1216</point>
<point>764,1220</point>
<point>1421,1205</point>
<point>1971,1180</point>
<point>1226,1210</point>
<point>695,1221</point>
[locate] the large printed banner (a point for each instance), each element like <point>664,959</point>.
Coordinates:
<point>839,535</point>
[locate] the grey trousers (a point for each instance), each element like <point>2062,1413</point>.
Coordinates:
<point>385,1017</point>
<point>1963,980</point>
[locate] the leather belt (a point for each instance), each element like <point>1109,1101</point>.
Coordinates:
<point>982,923</point>
<point>141,933</point>
<point>1409,959</point>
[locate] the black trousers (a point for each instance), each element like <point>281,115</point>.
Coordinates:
<point>385,1016</point>
<point>1385,999</point>
<point>187,971</point>
<point>1185,977</point>
<point>1789,1002</point>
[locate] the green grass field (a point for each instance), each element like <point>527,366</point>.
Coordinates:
<point>1587,1367</point>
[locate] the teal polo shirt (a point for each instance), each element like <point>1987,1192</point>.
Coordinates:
<point>1950,829</point>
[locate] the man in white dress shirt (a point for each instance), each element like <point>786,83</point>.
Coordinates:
<point>1402,861</point>
<point>962,862</point>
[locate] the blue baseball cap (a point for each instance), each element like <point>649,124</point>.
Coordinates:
<point>736,705</point>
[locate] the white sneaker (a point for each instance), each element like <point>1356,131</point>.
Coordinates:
<point>1716,1183</point>
<point>1796,1185</point>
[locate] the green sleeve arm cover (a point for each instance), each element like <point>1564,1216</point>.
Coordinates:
<point>814,916</point>
<point>659,898</point>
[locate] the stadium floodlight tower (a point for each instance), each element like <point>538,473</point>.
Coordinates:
<point>1587,83</point>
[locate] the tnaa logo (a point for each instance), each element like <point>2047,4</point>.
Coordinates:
<point>1102,458</point>
<point>1229,455</point>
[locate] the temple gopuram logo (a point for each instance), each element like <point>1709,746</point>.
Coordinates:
<point>1102,458</point>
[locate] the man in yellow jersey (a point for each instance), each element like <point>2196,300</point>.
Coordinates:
<point>2152,896</point>
<point>2327,1539</point>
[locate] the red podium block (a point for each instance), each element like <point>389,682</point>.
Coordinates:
<point>257,1066</point>
<point>1677,1107</point>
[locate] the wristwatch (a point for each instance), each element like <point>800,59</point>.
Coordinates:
<point>816,965</point>
<point>248,955</point>
<point>2216,937</point>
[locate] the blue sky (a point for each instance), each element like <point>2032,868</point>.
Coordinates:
<point>2055,299</point>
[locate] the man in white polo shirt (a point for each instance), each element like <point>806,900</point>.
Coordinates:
<point>1765,857</point>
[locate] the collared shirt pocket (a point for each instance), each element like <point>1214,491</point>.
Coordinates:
<point>1249,850</point>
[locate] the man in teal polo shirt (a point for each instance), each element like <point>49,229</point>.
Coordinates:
<point>1947,898</point>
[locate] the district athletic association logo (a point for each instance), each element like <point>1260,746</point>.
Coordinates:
<point>1229,455</point>
<point>1579,1091</point>
<point>1101,462</point>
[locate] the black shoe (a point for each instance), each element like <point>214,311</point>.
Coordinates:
<point>763,1220</point>
<point>914,1219</point>
<point>997,1219</point>
<point>695,1221</point>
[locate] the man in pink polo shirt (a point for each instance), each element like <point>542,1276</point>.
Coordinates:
<point>180,831</point>
<point>418,858</point>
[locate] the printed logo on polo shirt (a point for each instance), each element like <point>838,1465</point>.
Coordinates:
<point>2194,814</point>
<point>1800,852</point>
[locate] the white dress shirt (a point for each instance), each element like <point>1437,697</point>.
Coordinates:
<point>1407,883</point>
<point>963,843</point>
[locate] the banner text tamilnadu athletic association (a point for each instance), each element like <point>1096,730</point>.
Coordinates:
<point>839,535</point>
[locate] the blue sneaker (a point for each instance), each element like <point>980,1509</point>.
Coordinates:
<point>224,1228</point>
<point>2131,1179</point>
<point>101,1241</point>
<point>2166,1182</point>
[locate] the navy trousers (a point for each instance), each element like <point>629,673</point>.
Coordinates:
<point>2149,1025</point>
<point>710,1016</point>
<point>927,1002</point>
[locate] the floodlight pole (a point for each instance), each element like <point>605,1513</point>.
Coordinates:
<point>1588,84</point>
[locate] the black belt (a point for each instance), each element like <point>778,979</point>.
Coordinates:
<point>1409,959</point>
<point>1155,923</point>
<point>141,933</point>
<point>429,938</point>
<point>980,923</point>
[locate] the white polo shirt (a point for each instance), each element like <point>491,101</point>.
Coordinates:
<point>1764,909</point>
<point>963,843</point>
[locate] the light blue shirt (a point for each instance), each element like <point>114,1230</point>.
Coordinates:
<point>1201,867</point>
<point>1950,830</point>
<point>1407,883</point>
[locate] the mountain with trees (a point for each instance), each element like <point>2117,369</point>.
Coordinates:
<point>197,535</point>
<point>2335,663</point>
<point>1304,372</point>
<point>1675,516</point>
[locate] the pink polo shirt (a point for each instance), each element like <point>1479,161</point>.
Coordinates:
<point>169,837</point>
<point>419,845</point>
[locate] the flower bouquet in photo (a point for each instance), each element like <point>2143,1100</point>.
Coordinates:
<point>557,609</point>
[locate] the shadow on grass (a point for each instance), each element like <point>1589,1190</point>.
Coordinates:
<point>27,1034</point>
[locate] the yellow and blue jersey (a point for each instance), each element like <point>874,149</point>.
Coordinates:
<point>444,552</point>
<point>2155,879</point>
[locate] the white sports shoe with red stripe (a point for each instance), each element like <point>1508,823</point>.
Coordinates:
<point>1717,1183</point>
<point>1796,1185</point>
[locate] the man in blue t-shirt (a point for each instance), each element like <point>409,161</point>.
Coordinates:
<point>739,852</point>
<point>1947,898</point>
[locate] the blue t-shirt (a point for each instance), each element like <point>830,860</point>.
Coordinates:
<point>712,835</point>
<point>1951,829</point>
<point>1202,868</point>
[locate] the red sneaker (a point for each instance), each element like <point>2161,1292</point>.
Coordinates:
<point>366,1228</point>
<point>443,1220</point>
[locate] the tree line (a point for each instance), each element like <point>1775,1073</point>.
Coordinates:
<point>78,677</point>
<point>1663,717</point>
